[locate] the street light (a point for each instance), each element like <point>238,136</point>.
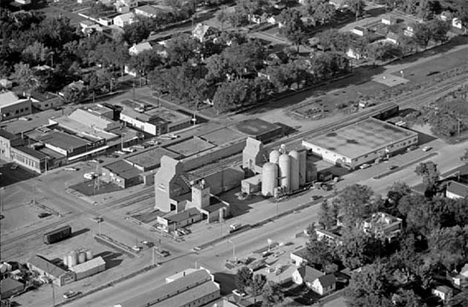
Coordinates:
<point>233,250</point>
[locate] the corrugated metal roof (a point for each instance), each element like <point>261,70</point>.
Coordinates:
<point>46,266</point>
<point>88,265</point>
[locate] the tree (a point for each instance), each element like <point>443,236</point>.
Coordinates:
<point>136,32</point>
<point>324,12</point>
<point>422,34</point>
<point>182,49</point>
<point>355,6</point>
<point>354,202</point>
<point>397,191</point>
<point>36,54</point>
<point>293,27</point>
<point>272,294</point>
<point>449,245</point>
<point>232,95</point>
<point>439,30</point>
<point>334,40</point>
<point>318,252</point>
<point>243,278</point>
<point>222,16</point>
<point>327,215</point>
<point>370,287</point>
<point>73,95</point>
<point>144,62</point>
<point>257,284</point>
<point>430,175</point>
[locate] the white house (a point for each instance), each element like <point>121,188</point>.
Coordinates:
<point>124,6</point>
<point>392,37</point>
<point>124,19</point>
<point>456,190</point>
<point>315,280</point>
<point>138,48</point>
<point>388,20</point>
<point>457,23</point>
<point>361,31</point>
<point>298,257</point>
<point>443,292</point>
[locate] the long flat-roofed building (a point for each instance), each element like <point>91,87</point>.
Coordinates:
<point>193,289</point>
<point>361,142</point>
<point>12,106</point>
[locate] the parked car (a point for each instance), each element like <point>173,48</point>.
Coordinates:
<point>239,293</point>
<point>70,294</point>
<point>137,248</point>
<point>426,148</point>
<point>411,148</point>
<point>89,176</point>
<point>392,167</point>
<point>73,169</point>
<point>98,219</point>
<point>364,166</point>
<point>43,215</point>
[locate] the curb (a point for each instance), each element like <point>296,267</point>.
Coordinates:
<point>384,174</point>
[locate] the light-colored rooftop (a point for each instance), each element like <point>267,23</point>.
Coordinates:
<point>151,158</point>
<point>361,138</point>
<point>88,265</point>
<point>62,140</point>
<point>8,98</point>
<point>80,128</point>
<point>122,169</point>
<point>151,113</point>
<point>222,136</point>
<point>181,291</point>
<point>190,147</point>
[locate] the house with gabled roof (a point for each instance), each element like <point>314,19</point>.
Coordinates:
<point>456,190</point>
<point>204,32</point>
<point>299,257</point>
<point>315,280</point>
<point>124,19</point>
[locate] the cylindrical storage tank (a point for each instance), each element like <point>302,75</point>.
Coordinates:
<point>302,167</point>
<point>274,156</point>
<point>70,261</point>
<point>89,255</point>
<point>81,257</point>
<point>294,156</point>
<point>269,178</point>
<point>73,260</point>
<point>311,171</point>
<point>65,260</point>
<point>284,173</point>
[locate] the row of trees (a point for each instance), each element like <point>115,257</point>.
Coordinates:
<point>402,271</point>
<point>428,9</point>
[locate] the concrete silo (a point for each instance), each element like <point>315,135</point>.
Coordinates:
<point>274,156</point>
<point>269,178</point>
<point>311,171</point>
<point>89,255</point>
<point>285,172</point>
<point>302,167</point>
<point>72,259</point>
<point>81,257</point>
<point>294,157</point>
<point>65,260</point>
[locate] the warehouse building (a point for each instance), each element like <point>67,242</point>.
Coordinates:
<point>44,267</point>
<point>192,289</point>
<point>89,268</point>
<point>121,173</point>
<point>7,142</point>
<point>10,287</point>
<point>362,142</point>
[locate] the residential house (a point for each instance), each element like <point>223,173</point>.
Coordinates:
<point>457,23</point>
<point>6,84</point>
<point>138,48</point>
<point>460,279</point>
<point>125,6</point>
<point>331,236</point>
<point>299,257</point>
<point>7,142</point>
<point>204,32</point>
<point>124,19</point>
<point>59,276</point>
<point>315,280</point>
<point>12,106</point>
<point>360,31</point>
<point>382,225</point>
<point>392,37</point>
<point>338,4</point>
<point>258,18</point>
<point>152,10</point>
<point>409,31</point>
<point>456,190</point>
<point>389,20</point>
<point>10,287</point>
<point>446,16</point>
<point>88,27</point>
<point>445,293</point>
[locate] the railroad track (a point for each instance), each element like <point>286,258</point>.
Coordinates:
<point>12,243</point>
